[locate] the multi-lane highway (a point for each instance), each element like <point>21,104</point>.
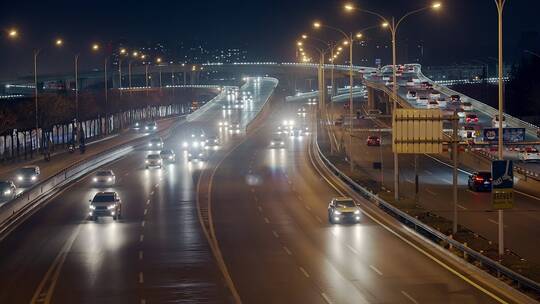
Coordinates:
<point>270,215</point>
<point>155,253</point>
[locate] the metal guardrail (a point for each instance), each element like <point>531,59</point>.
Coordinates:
<point>426,231</point>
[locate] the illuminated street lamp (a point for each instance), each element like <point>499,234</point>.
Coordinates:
<point>394,26</point>
<point>349,41</point>
<point>95,48</point>
<point>59,42</point>
<point>158,61</point>
<point>122,52</point>
<point>13,33</point>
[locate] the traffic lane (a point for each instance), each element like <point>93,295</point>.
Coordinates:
<point>260,266</point>
<point>320,258</point>
<point>31,248</point>
<point>350,241</point>
<point>100,262</point>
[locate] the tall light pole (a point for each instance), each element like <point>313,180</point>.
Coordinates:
<point>36,53</point>
<point>500,7</point>
<point>158,61</point>
<point>394,26</point>
<point>121,53</point>
<point>349,41</point>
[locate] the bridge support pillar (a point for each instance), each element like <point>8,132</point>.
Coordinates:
<point>370,98</point>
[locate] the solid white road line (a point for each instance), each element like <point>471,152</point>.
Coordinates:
<point>375,269</point>
<point>306,274</point>
<point>141,278</point>
<point>275,234</point>
<point>287,250</point>
<point>408,296</point>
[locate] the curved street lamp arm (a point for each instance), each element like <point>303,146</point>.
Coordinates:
<point>409,14</point>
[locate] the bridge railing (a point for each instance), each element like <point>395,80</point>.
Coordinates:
<point>472,256</point>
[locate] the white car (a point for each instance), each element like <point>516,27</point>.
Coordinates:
<point>411,95</point>
<point>343,209</point>
<point>529,154</point>
<point>423,101</point>
<point>277,143</point>
<point>104,177</point>
<point>434,95</point>
<point>495,121</point>
<point>433,104</point>
<point>223,123</point>
<point>153,160</point>
<point>467,106</point>
<point>234,128</point>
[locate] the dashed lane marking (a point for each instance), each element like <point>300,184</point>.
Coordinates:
<point>318,219</point>
<point>259,208</point>
<point>287,250</point>
<point>308,207</point>
<point>306,274</point>
<point>141,278</point>
<point>267,220</point>
<point>375,269</point>
<point>275,234</point>
<point>326,298</point>
<point>352,249</point>
<point>461,207</point>
<point>142,223</point>
<point>141,238</point>
<point>408,296</point>
<point>140,255</point>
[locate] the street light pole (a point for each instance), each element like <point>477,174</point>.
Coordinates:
<point>106,94</point>
<point>500,7</point>
<point>77,88</point>
<point>351,104</point>
<point>36,53</point>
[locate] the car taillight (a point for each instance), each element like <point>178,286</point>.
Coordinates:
<point>479,179</point>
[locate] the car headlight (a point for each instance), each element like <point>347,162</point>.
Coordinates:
<point>111,207</point>
<point>189,155</point>
<point>109,179</point>
<point>357,212</point>
<point>200,154</point>
<point>146,128</point>
<point>337,212</point>
<point>92,207</point>
<point>215,141</point>
<point>170,157</point>
<point>155,128</point>
<point>282,143</point>
<point>184,144</point>
<point>7,192</point>
<point>271,143</point>
<point>33,177</point>
<point>95,179</point>
<point>149,145</point>
<point>136,124</point>
<point>20,177</point>
<point>146,161</point>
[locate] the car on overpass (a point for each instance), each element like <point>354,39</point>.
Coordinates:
<point>373,141</point>
<point>495,121</point>
<point>480,181</point>
<point>529,154</point>
<point>7,190</point>
<point>105,204</point>
<point>104,177</point>
<point>342,210</point>
<point>28,175</point>
<point>471,118</point>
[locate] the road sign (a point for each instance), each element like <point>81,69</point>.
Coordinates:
<point>417,131</point>
<point>502,194</point>
<point>509,134</point>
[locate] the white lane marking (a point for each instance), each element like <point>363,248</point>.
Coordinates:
<point>492,221</point>
<point>462,207</point>
<point>252,190</point>
<point>326,298</point>
<point>141,277</point>
<point>428,172</point>
<point>431,192</point>
<point>259,208</point>
<point>287,250</point>
<point>255,198</point>
<point>447,180</point>
<point>152,193</point>
<point>335,233</point>
<point>410,181</point>
<point>352,249</point>
<point>156,185</point>
<point>141,238</point>
<point>145,211</point>
<point>408,296</point>
<point>306,274</point>
<point>275,234</point>
<point>267,220</point>
<point>143,301</point>
<point>148,202</point>
<point>126,174</point>
<point>308,207</point>
<point>375,269</point>
<point>142,224</point>
<point>527,195</point>
<point>318,219</point>
<point>140,255</point>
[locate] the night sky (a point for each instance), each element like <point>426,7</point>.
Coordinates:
<point>464,30</point>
